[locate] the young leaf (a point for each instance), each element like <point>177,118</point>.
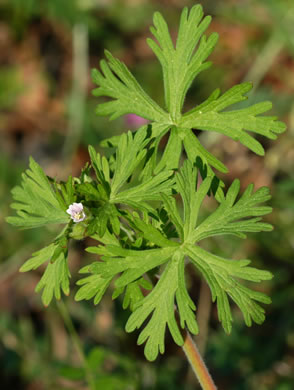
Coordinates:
<point>35,201</point>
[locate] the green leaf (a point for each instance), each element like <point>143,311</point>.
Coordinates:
<point>181,64</point>
<point>93,286</point>
<point>133,294</point>
<point>129,154</point>
<point>55,278</point>
<point>61,243</point>
<point>38,258</point>
<point>111,142</point>
<point>149,190</point>
<point>221,275</point>
<point>101,168</point>
<point>170,206</point>
<point>154,235</point>
<point>98,224</point>
<point>107,239</point>
<point>36,201</point>
<point>134,262</point>
<point>235,123</point>
<point>185,304</point>
<point>160,302</point>
<point>192,198</point>
<point>232,217</point>
<point>108,213</point>
<point>66,192</point>
<point>172,152</point>
<point>89,191</point>
<point>236,217</point>
<point>194,150</point>
<point>119,84</point>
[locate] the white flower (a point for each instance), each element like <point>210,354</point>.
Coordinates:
<point>76,212</point>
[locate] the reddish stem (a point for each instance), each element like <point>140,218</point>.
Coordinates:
<point>198,364</point>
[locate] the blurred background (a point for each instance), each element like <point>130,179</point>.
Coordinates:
<point>47,49</point>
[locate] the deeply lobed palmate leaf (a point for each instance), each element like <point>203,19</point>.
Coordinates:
<point>232,216</point>
<point>181,63</point>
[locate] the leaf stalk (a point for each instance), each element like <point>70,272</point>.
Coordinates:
<point>195,359</point>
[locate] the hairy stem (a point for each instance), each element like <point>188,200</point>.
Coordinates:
<point>197,364</point>
<point>77,343</point>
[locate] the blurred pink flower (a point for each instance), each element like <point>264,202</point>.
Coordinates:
<point>135,121</point>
